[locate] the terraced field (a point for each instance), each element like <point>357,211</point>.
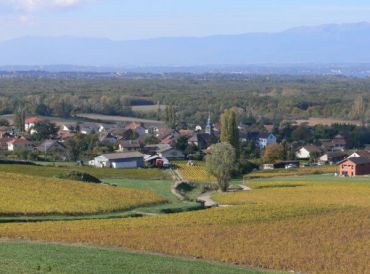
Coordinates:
<point>272,226</point>
<point>23,195</point>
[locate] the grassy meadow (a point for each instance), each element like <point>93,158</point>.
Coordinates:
<point>32,258</point>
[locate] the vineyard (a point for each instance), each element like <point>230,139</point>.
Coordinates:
<point>28,195</point>
<point>195,173</point>
<point>313,234</point>
<point>292,172</point>
<point>102,173</point>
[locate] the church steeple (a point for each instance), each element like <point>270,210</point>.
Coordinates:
<point>209,128</point>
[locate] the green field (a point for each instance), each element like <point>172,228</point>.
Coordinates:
<point>51,171</point>
<point>35,258</point>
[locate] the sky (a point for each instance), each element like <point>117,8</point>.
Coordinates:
<point>141,19</point>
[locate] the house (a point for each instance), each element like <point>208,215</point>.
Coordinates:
<point>128,145</point>
<point>31,122</point>
<point>119,160</point>
<point>4,143</point>
<point>19,144</point>
<point>171,153</point>
<point>136,127</point>
<point>269,128</point>
<point>51,146</point>
<point>63,135</point>
<point>186,132</point>
<point>333,157</point>
<point>89,128</point>
<point>108,138</point>
<point>202,140</point>
<point>307,151</point>
<point>355,166</point>
<point>360,153</point>
<point>338,143</point>
<point>265,139</point>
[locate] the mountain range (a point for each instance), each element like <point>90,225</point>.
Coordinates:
<point>325,44</point>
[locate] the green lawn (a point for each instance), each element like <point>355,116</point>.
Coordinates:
<point>50,171</point>
<point>35,258</point>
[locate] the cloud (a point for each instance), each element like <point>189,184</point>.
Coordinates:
<point>35,5</point>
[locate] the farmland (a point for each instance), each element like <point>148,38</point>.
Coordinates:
<point>34,196</point>
<point>292,172</point>
<point>313,234</point>
<point>194,174</point>
<point>51,171</point>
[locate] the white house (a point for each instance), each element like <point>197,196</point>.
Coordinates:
<point>31,122</point>
<point>360,153</point>
<point>22,144</point>
<point>119,160</point>
<point>307,151</point>
<point>265,139</point>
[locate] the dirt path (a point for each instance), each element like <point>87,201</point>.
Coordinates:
<point>206,198</point>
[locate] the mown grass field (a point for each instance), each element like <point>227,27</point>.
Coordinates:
<point>273,226</point>
<point>194,174</point>
<point>292,172</point>
<point>51,171</point>
<point>23,195</point>
<point>39,258</point>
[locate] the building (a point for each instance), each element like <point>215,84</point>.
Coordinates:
<point>171,153</point>
<point>338,143</point>
<point>52,146</point>
<point>136,127</point>
<point>355,166</point>
<point>119,160</point>
<point>209,126</point>
<point>265,139</point>
<point>128,145</point>
<point>19,144</point>
<point>360,153</point>
<point>333,157</point>
<point>31,122</point>
<point>308,151</point>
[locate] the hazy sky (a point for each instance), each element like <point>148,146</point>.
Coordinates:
<point>134,19</point>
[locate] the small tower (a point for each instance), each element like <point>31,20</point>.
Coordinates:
<point>209,128</point>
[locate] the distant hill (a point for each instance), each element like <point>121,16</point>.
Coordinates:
<point>347,43</point>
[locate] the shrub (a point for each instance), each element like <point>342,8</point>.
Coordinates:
<point>79,176</point>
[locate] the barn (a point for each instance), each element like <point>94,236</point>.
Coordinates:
<point>119,160</point>
<point>355,166</point>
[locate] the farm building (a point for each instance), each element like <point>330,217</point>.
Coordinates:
<point>355,166</point>
<point>119,160</point>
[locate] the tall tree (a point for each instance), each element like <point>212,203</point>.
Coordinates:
<point>359,109</point>
<point>220,163</point>
<point>20,119</point>
<point>230,131</point>
<point>171,116</point>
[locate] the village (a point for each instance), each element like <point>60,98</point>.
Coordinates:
<point>157,145</point>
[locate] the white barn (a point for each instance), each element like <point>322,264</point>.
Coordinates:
<point>119,160</point>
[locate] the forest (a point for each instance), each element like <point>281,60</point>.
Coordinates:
<point>265,99</point>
